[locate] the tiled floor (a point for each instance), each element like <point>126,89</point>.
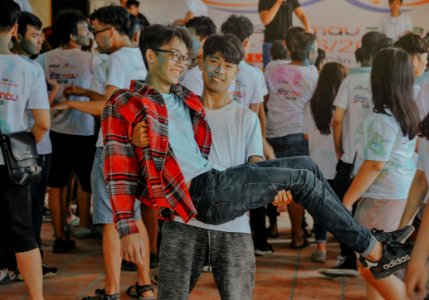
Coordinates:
<point>286,274</point>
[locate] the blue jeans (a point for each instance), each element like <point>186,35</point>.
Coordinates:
<point>221,196</point>
<point>289,145</point>
<point>266,53</point>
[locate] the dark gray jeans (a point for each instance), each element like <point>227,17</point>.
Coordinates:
<point>182,255</point>
<point>221,196</point>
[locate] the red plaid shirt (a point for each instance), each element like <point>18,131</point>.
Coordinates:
<point>152,174</point>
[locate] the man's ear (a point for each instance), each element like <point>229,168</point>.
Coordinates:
<point>73,37</point>
<point>14,30</point>
<point>150,56</point>
<point>200,62</point>
<point>245,43</point>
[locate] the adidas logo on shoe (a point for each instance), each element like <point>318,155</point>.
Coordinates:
<point>396,262</point>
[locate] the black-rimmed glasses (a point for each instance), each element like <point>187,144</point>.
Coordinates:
<point>95,32</point>
<point>176,57</point>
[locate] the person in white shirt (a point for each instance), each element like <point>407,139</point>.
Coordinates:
<point>291,87</point>
<point>195,8</point>
<point>318,116</point>
<point>397,24</point>
<point>23,92</point>
<point>72,133</point>
<point>123,65</point>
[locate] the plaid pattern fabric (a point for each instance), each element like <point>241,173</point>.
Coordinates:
<point>152,174</point>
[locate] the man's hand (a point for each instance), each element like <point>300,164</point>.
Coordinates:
<point>140,136</point>
<point>282,199</point>
<point>416,278</point>
<point>132,248</point>
<point>60,105</point>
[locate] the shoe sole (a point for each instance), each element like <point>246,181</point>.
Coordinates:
<point>342,273</point>
<point>261,252</point>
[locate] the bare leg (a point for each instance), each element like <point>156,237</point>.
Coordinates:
<point>30,267</point>
<point>112,258</point>
<point>151,222</point>
<point>57,211</point>
<point>84,204</point>
<point>144,268</point>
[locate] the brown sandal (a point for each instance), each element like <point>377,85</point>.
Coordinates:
<point>136,291</point>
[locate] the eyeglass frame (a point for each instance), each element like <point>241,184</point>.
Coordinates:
<point>180,58</point>
<point>95,32</point>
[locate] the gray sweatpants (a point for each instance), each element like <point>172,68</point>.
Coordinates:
<point>183,253</point>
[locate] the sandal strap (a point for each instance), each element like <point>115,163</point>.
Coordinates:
<point>140,289</point>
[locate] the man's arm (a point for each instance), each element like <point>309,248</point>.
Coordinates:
<point>418,191</point>
<point>299,12</point>
<point>267,16</point>
<point>42,123</point>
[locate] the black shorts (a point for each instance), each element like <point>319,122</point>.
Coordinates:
<point>71,152</point>
<point>16,226</point>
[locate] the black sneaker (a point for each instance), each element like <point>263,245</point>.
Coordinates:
<point>395,256</point>
<point>400,235</point>
<point>346,267</point>
<point>153,260</point>
<point>273,231</point>
<point>63,246</point>
<point>263,250</point>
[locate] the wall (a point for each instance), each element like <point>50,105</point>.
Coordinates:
<point>42,8</point>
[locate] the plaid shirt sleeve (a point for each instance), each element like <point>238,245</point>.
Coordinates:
<point>121,168</point>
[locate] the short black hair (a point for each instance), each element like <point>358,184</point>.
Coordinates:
<point>115,16</point>
<point>278,51</point>
<point>321,56</point>
<point>28,19</point>
<point>228,45</point>
<point>204,26</point>
<point>390,1</point>
<point>382,44</point>
<point>130,3</point>
<point>9,14</point>
<point>368,42</point>
<point>157,35</point>
<point>301,46</point>
<point>413,43</point>
<point>290,34</point>
<point>240,26</point>
<point>65,24</point>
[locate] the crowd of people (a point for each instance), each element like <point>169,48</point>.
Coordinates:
<point>181,149</point>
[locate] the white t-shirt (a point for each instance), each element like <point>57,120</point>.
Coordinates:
<point>193,81</point>
<point>354,96</point>
<point>321,146</point>
<point>395,27</point>
<point>422,100</point>
<point>22,88</point>
<point>120,68</point>
<point>237,136</point>
<point>273,64</point>
<point>197,7</point>
<point>380,138</point>
<point>250,87</point>
<point>423,159</point>
<point>45,145</point>
<point>70,67</point>
<point>290,87</point>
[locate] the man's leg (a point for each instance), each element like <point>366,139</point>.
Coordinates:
<point>233,264</point>
<point>223,196</point>
<point>30,267</point>
<point>181,259</point>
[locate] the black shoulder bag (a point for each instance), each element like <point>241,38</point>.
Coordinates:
<point>20,156</point>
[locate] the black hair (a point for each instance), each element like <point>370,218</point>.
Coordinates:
<point>413,43</point>
<point>321,56</point>
<point>204,26</point>
<point>392,80</point>
<point>9,14</point>
<point>382,44</point>
<point>115,16</point>
<point>301,46</point>
<point>157,35</point>
<point>130,3</point>
<point>143,20</point>
<point>28,19</point>
<point>322,101</point>
<point>228,45</point>
<point>368,42</point>
<point>290,34</point>
<point>65,24</point>
<point>240,26</point>
<point>278,51</point>
<point>390,1</point>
